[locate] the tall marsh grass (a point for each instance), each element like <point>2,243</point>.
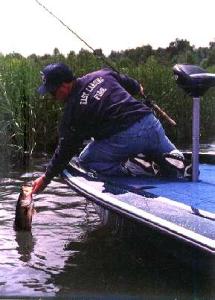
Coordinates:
<point>29,124</point>
<point>23,116</point>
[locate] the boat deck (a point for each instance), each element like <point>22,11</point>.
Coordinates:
<point>181,208</point>
<point>199,194</point>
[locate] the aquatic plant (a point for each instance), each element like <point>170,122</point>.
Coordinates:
<point>22,117</point>
<point>28,123</point>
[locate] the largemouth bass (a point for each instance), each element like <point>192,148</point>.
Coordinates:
<point>24,209</point>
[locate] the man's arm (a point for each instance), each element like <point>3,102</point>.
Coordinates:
<point>68,145</point>
<point>130,84</point>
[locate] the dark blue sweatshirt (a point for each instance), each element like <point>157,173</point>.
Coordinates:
<point>99,106</point>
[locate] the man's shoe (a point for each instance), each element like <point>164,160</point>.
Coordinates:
<point>188,171</point>
<point>175,159</point>
<point>140,165</point>
<point>179,163</point>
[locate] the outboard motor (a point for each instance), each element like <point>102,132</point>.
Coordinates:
<point>195,82</point>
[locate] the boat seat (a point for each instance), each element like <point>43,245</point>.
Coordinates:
<point>194,80</point>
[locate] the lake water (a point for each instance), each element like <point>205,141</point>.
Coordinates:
<point>70,254</point>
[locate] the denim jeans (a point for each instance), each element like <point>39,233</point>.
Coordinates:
<point>106,156</point>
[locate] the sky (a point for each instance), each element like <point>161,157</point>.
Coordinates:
<point>26,28</point>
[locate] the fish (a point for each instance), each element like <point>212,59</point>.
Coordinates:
<point>24,209</point>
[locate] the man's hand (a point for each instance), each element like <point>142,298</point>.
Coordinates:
<point>39,184</point>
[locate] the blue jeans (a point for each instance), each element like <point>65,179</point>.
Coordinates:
<point>146,136</point>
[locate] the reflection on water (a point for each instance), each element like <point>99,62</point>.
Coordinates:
<point>28,260</point>
<point>69,253</point>
<point>25,245</point>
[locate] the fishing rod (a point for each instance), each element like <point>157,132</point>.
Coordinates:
<point>78,36</point>
<point>148,100</point>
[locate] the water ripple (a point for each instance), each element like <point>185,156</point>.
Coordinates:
<point>28,260</point>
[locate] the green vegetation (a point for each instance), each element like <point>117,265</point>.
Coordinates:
<point>29,124</point>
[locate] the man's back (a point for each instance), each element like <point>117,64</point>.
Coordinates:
<point>102,104</point>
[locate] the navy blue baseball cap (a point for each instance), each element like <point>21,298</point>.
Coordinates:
<point>53,76</point>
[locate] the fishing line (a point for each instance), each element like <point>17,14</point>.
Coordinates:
<point>78,36</point>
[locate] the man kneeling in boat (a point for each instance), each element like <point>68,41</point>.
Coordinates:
<point>126,137</point>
